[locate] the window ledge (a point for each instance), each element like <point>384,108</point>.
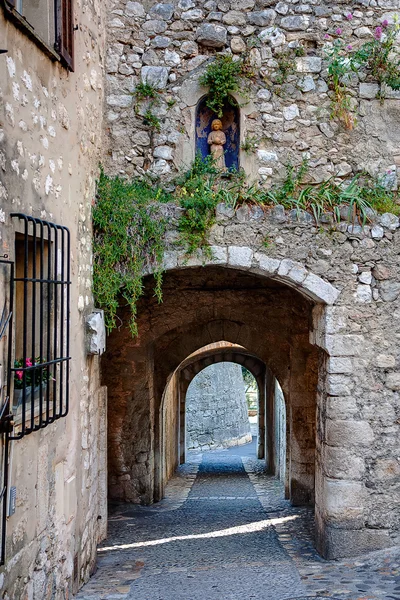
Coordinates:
<point>19,21</point>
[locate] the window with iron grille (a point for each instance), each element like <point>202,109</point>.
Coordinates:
<point>42,330</point>
<point>49,23</point>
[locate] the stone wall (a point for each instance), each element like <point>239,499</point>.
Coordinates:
<point>51,132</point>
<point>280,433</point>
<point>318,305</point>
<point>169,45</point>
<point>351,277</point>
<point>216,408</point>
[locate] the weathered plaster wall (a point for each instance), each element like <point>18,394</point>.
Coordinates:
<point>170,44</point>
<point>51,131</point>
<point>216,408</point>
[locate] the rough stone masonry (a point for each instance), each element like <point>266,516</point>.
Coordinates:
<point>217,415</point>
<point>350,274</point>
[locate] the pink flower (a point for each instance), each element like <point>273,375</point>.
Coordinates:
<point>19,374</point>
<point>385,23</point>
<point>378,33</point>
<point>349,47</point>
<point>28,362</point>
<point>349,17</point>
<point>327,36</point>
<point>338,31</point>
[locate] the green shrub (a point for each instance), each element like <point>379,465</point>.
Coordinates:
<point>128,237</point>
<point>223,78</point>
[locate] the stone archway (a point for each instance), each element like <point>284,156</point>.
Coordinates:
<point>245,298</point>
<point>175,395</point>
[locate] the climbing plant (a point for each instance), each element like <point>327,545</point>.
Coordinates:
<point>128,238</point>
<point>129,231</point>
<point>223,77</point>
<point>198,193</point>
<point>146,92</point>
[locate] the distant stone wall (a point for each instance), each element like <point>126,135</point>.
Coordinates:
<point>216,408</point>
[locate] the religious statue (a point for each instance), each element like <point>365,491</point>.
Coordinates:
<point>216,140</point>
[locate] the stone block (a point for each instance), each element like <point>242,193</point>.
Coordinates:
<point>390,221</point>
<point>96,333</point>
<point>385,361</point>
<point>219,255</point>
<point>364,294</point>
<point>295,23</point>
<point>273,36</point>
<point>162,11</point>
<point>389,290</point>
<point>309,64</point>
<point>267,264</point>
<point>242,4</point>
<point>164,152</point>
<point>339,463</point>
<point>291,112</point>
<point>195,14</point>
<point>336,540</point>
<point>339,364</point>
<point>266,156</point>
<point>343,500</point>
<point>262,18</point>
<point>240,256</point>
<point>320,290</point>
<point>393,381</point>
<point>212,36</point>
<point>339,385</point>
<point>344,345</point>
<point>368,90</point>
<point>134,9</point>
<point>341,407</point>
<point>157,77</point>
<point>348,433</point>
<point>120,101</point>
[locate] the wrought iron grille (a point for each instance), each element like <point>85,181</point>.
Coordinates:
<point>42,325</point>
<point>6,417</point>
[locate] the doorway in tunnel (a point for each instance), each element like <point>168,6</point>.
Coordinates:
<point>217,413</point>
<point>223,397</point>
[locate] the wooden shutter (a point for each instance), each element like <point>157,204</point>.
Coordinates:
<point>65,31</point>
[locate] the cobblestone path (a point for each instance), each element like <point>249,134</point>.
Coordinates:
<point>225,532</point>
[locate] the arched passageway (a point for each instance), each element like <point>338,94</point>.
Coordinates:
<point>270,444</point>
<point>266,321</point>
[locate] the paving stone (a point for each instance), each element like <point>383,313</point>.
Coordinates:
<point>225,532</point>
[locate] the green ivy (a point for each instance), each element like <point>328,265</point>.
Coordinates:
<point>223,77</point>
<point>198,194</point>
<point>128,238</point>
<point>129,232</point>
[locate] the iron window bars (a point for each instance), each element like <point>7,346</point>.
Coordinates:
<point>42,325</point>
<point>6,422</point>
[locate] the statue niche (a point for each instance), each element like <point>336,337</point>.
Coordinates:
<point>219,137</point>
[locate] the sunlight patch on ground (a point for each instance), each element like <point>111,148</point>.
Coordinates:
<point>240,529</point>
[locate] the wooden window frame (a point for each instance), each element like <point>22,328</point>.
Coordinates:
<point>63,49</point>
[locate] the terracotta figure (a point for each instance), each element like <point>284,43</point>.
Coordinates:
<point>216,140</point>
